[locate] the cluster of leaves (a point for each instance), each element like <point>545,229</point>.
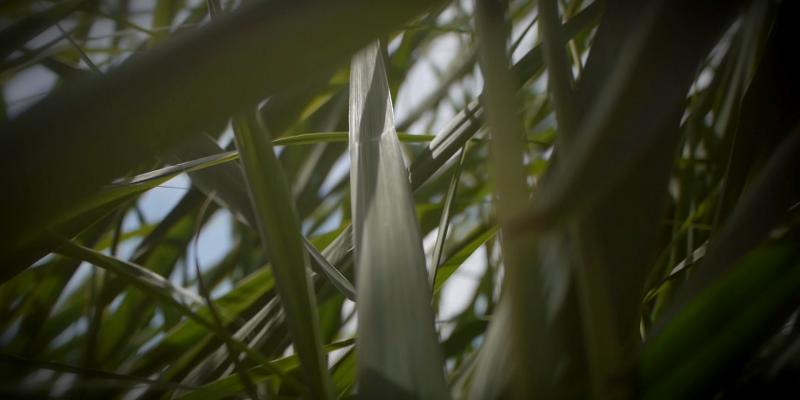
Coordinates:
<point>626,185</point>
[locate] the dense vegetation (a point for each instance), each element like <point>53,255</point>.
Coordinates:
<point>610,187</point>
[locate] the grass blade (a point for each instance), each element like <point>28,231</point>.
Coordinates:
<point>321,265</point>
<point>477,239</point>
<point>398,352</point>
<point>279,229</point>
<point>444,221</point>
<point>134,274</point>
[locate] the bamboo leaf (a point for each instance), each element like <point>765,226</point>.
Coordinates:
<point>454,262</point>
<point>320,264</point>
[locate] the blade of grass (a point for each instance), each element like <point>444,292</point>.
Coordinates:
<point>321,265</point>
<point>444,221</point>
<point>398,352</point>
<point>279,229</point>
<point>136,275</point>
<point>482,235</point>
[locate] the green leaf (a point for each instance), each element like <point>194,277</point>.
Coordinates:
<point>279,229</point>
<point>136,275</point>
<point>452,263</point>
<point>399,354</point>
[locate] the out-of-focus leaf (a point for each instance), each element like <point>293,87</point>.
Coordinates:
<point>16,35</point>
<point>716,331</point>
<point>444,222</point>
<point>185,85</point>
